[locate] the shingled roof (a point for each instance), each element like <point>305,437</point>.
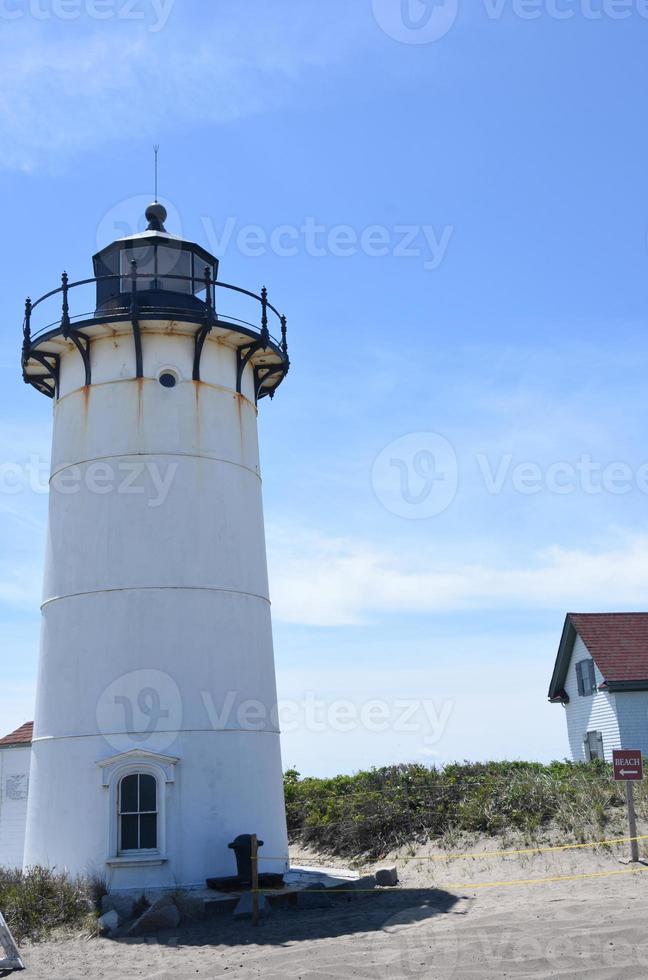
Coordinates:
<point>618,644</point>
<point>22,736</point>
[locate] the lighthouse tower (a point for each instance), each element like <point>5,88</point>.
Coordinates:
<point>156,737</point>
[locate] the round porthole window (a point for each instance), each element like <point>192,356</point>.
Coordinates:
<point>168,379</point>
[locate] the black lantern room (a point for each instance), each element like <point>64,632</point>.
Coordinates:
<point>168,272</point>
<point>153,276</point>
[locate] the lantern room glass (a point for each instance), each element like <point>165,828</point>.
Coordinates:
<point>157,265</point>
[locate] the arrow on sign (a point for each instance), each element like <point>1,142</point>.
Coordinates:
<point>628,772</point>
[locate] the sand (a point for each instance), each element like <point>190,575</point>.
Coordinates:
<point>441,923</point>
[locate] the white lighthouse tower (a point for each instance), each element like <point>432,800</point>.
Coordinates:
<point>156,737</point>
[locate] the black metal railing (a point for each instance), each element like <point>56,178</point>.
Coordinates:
<point>134,305</point>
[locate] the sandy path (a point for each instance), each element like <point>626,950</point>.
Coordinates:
<point>590,928</point>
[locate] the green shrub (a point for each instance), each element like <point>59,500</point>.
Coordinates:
<point>38,900</point>
<point>375,811</point>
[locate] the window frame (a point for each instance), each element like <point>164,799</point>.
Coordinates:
<point>139,813</point>
<point>599,746</point>
<point>114,770</point>
<point>583,691</point>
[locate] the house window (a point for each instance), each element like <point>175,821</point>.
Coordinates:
<point>586,677</point>
<point>594,746</point>
<point>138,813</point>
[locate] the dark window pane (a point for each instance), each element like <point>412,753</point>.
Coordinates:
<point>174,262</point>
<point>145,256</point>
<point>129,840</point>
<point>148,794</point>
<point>148,831</point>
<point>128,794</point>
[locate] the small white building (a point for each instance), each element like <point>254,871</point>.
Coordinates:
<point>601,679</point>
<point>15,756</point>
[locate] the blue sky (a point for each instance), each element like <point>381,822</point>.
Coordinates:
<point>456,228</point>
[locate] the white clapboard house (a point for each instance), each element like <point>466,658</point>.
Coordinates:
<point>601,679</point>
<point>15,756</point>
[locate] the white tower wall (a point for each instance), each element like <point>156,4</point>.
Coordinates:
<point>157,646</point>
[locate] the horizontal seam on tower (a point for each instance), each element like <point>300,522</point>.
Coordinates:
<point>156,588</point>
<point>99,459</point>
<point>183,731</point>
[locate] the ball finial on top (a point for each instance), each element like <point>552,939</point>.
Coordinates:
<point>156,216</point>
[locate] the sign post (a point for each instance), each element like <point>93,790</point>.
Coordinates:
<point>628,768</point>
<point>7,942</point>
<point>255,879</point>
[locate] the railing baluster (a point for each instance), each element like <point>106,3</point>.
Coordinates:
<point>265,333</point>
<point>65,318</point>
<point>134,315</point>
<point>209,313</point>
<point>27,329</point>
<point>284,336</point>
<point>133,278</point>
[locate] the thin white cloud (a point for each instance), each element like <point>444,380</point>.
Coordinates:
<point>320,581</point>
<point>98,82</point>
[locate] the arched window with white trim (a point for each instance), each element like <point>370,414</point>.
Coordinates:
<point>138,784</point>
<point>138,813</point>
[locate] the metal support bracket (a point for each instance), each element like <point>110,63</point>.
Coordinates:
<point>261,375</point>
<point>210,318</point>
<point>243,357</point>
<point>48,383</point>
<point>82,344</point>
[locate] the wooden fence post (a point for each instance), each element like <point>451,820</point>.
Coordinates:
<point>255,880</point>
<point>632,823</point>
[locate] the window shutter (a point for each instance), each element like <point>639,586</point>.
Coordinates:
<point>579,678</point>
<point>591,676</point>
<point>599,745</point>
